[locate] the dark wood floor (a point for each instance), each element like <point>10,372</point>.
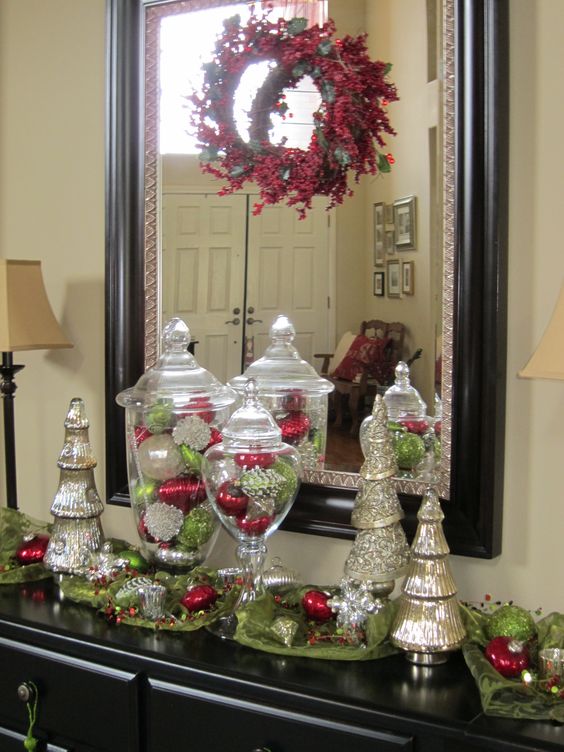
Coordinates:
<point>343,449</point>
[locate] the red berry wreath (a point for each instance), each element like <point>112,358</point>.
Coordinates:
<point>348,126</point>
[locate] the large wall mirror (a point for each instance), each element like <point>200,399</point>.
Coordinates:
<point>458,313</point>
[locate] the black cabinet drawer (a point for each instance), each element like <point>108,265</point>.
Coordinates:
<point>187,719</point>
<point>11,741</point>
<point>70,691</point>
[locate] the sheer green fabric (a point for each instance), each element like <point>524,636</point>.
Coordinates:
<point>259,627</point>
<point>512,698</point>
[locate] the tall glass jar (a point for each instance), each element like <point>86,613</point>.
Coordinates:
<point>292,390</point>
<point>174,413</point>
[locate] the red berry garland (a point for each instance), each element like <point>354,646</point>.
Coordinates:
<point>348,126</point>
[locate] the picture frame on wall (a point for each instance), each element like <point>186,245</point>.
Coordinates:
<point>405,227</point>
<point>389,242</point>
<point>379,234</point>
<point>394,278</point>
<point>389,215</point>
<point>379,284</point>
<point>408,277</point>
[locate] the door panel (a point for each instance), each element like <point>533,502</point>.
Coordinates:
<point>204,238</point>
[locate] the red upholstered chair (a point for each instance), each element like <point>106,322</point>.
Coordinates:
<point>368,364</point>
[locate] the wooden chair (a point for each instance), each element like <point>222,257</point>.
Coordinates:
<point>367,385</point>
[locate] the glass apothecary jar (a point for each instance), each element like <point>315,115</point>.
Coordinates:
<point>292,390</point>
<point>252,478</point>
<point>415,435</point>
<point>174,413</point>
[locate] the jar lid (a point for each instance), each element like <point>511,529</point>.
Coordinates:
<point>177,377</point>
<point>401,398</point>
<point>281,368</point>
<point>251,426</point>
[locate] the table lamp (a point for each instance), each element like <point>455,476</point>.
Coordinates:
<point>547,362</point>
<point>26,323</point>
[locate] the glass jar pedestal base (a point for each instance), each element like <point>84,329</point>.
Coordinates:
<point>426,659</point>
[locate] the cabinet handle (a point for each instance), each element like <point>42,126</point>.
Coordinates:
<point>26,692</point>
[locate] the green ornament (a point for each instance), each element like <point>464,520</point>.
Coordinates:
<point>511,621</point>
<point>409,450</point>
<point>261,483</point>
<point>192,458</point>
<point>159,416</point>
<point>197,529</point>
<point>135,559</point>
<point>289,484</point>
<point>145,492</point>
<point>393,426</point>
<point>317,439</point>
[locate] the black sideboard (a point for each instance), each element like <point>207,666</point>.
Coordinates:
<point>104,687</point>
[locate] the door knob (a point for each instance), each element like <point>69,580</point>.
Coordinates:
<point>251,320</point>
<point>250,309</point>
<point>236,311</point>
<point>235,321</point>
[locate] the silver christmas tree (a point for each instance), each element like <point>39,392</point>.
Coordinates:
<point>77,530</point>
<point>428,624</point>
<point>380,553</point>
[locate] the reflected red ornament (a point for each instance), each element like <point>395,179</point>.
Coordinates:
<point>315,605</point>
<point>199,598</point>
<point>200,406</point>
<point>255,526</point>
<point>183,493</point>
<point>32,551</point>
<point>294,427</point>
<point>417,426</point>
<point>294,402</point>
<point>215,438</point>
<point>141,433</point>
<point>508,656</point>
<point>230,499</point>
<point>255,459</point>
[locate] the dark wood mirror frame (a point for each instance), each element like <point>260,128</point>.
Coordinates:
<point>473,516</point>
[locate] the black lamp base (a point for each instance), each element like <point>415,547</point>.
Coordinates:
<point>7,389</point>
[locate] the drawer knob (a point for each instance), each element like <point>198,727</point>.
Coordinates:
<point>26,692</point>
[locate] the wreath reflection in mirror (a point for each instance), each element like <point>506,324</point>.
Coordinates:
<point>348,126</point>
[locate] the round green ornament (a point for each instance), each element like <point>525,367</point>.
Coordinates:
<point>288,486</point>
<point>511,621</point>
<point>159,416</point>
<point>197,528</point>
<point>409,450</point>
<point>145,491</point>
<point>191,457</point>
<point>135,559</point>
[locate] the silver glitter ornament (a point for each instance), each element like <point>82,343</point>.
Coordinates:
<point>163,521</point>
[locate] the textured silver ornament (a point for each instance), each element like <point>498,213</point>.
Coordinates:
<point>353,604</point>
<point>380,554</point>
<point>277,576</point>
<point>178,558</point>
<point>151,600</point>
<point>260,483</point>
<point>105,563</point>
<point>192,431</point>
<point>131,587</point>
<point>163,521</point>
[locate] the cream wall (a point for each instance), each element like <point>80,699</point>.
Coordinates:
<point>52,208</point>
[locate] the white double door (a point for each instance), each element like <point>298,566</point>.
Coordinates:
<point>228,274</point>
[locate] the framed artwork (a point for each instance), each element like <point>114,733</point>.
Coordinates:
<point>379,280</point>
<point>407,277</point>
<point>379,234</point>
<point>405,224</point>
<point>389,242</point>
<point>389,214</point>
<point>394,278</point>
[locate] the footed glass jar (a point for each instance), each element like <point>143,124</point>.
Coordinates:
<point>292,390</point>
<point>252,478</point>
<point>173,414</point>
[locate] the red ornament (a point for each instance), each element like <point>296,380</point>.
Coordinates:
<point>315,605</point>
<point>200,406</point>
<point>230,499</point>
<point>508,656</point>
<point>255,459</point>
<point>215,438</point>
<point>417,426</point>
<point>141,433</point>
<point>256,526</point>
<point>183,493</point>
<point>144,534</point>
<point>294,427</point>
<point>32,551</point>
<point>199,598</point>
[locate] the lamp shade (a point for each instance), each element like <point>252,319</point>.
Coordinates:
<point>547,362</point>
<point>26,319</point>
